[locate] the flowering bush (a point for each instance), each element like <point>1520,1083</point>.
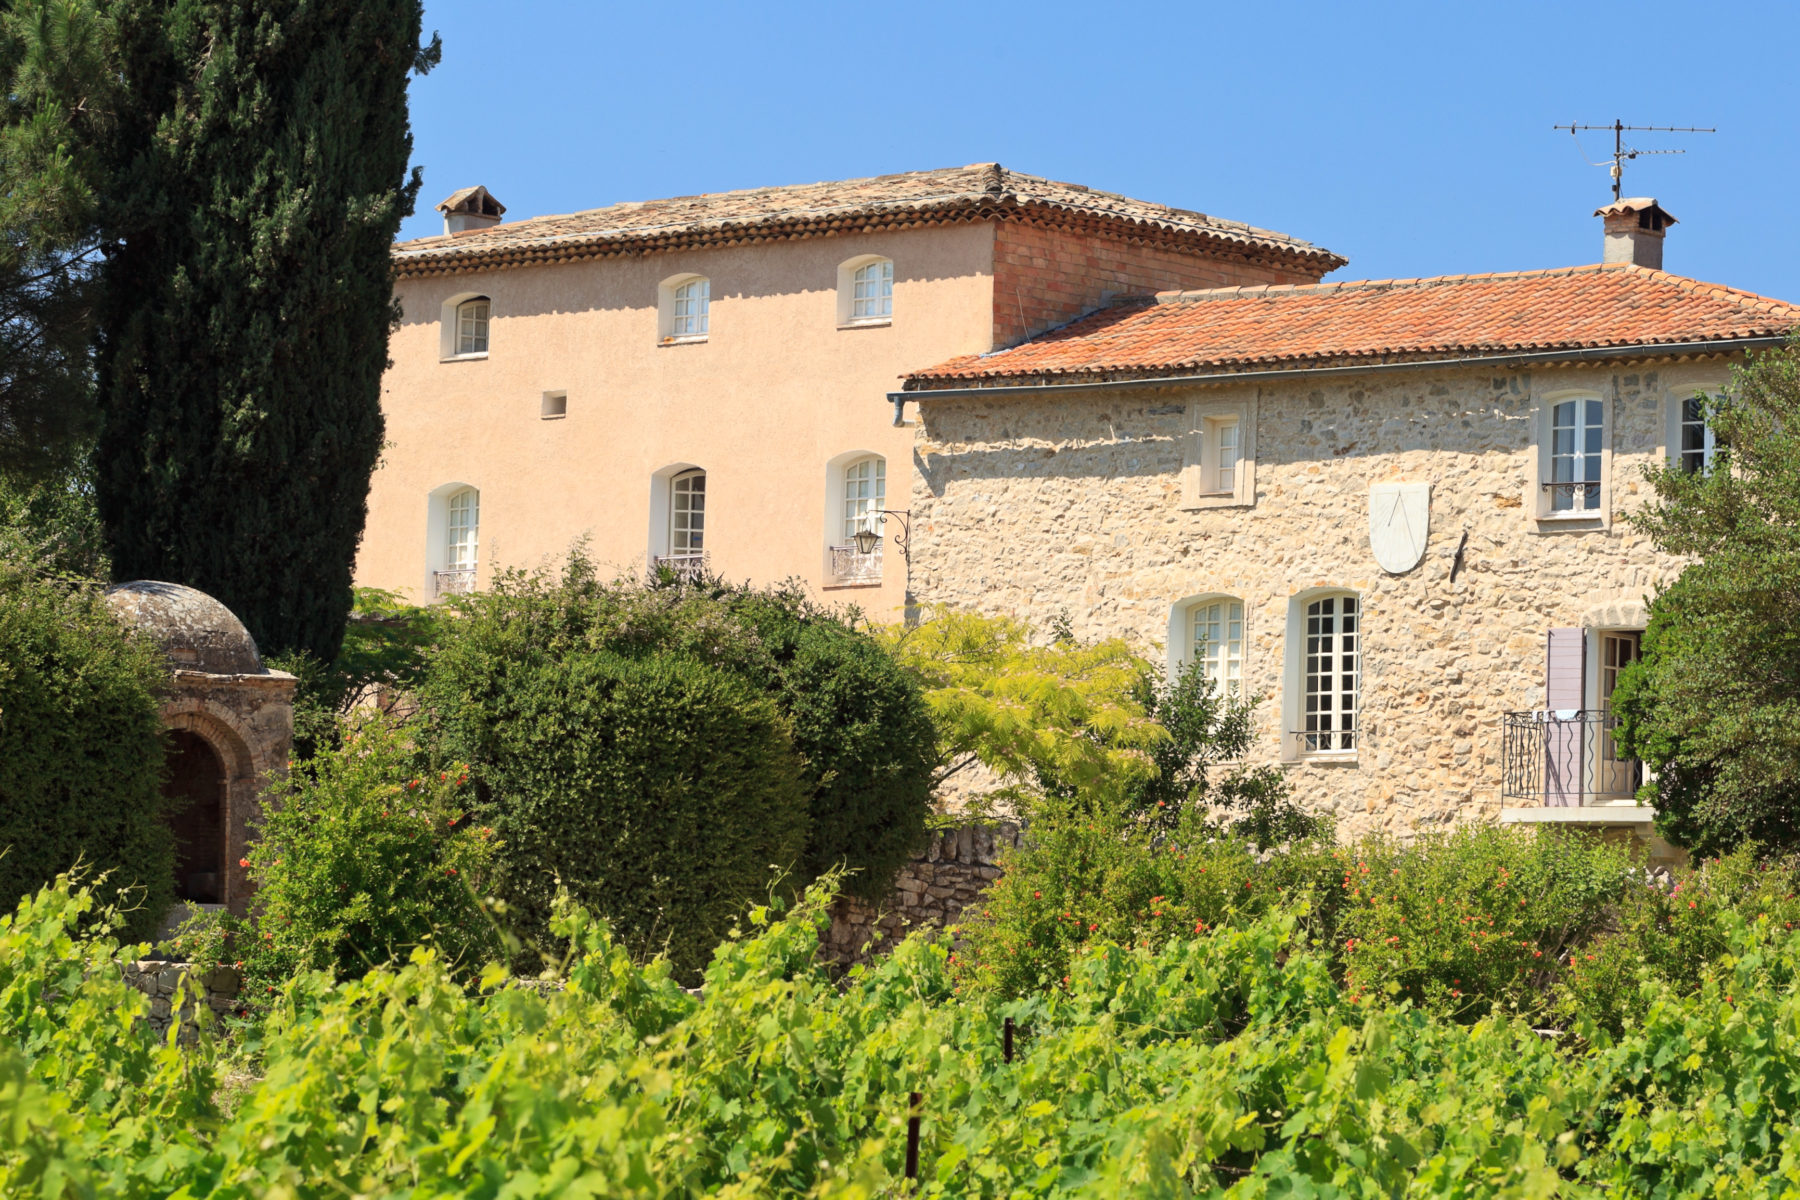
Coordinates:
<point>368,855</point>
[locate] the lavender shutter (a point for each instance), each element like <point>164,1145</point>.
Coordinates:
<point>1565,689</point>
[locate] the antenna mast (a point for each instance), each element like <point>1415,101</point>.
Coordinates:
<point>1616,165</point>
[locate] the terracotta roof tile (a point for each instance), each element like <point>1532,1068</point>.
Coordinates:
<point>1377,320</point>
<point>983,190</point>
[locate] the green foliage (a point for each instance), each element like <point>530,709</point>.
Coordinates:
<point>257,180</point>
<point>1089,875</point>
<point>1714,706</point>
<point>1064,711</point>
<point>368,855</point>
<point>1482,917</point>
<point>385,643</point>
<point>81,746</point>
<point>1231,1064</point>
<point>51,520</point>
<point>57,107</point>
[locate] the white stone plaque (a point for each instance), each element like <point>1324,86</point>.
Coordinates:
<point>1399,521</point>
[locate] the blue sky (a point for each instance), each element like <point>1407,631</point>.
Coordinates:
<point>1414,139</point>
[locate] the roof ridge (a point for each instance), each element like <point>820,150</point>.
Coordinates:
<point>1351,285</point>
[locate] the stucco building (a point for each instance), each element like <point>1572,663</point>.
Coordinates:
<point>702,379</point>
<point>1395,510</point>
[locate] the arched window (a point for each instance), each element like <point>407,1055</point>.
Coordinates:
<point>472,326</point>
<point>865,495</point>
<point>687,519</point>
<point>686,307</point>
<point>1330,671</point>
<point>462,530</point>
<point>1216,635</point>
<point>866,290</point>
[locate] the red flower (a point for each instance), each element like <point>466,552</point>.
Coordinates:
<point>243,862</point>
<point>1037,895</point>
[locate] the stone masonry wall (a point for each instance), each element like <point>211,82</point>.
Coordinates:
<point>162,981</point>
<point>932,891</point>
<point>1044,277</point>
<point>1073,502</point>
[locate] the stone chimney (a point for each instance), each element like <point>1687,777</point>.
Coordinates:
<point>1634,231</point>
<point>470,209</point>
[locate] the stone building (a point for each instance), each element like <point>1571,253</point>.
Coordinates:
<point>1396,511</point>
<point>702,379</point>
<point>231,723</point>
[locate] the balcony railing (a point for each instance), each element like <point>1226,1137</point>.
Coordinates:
<point>456,582</point>
<point>1566,757</point>
<point>848,566</point>
<point>1325,741</point>
<point>686,564</point>
<point>1573,496</point>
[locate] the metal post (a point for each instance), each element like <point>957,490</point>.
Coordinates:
<point>1006,1039</point>
<point>914,1101</point>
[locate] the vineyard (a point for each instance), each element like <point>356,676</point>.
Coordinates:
<point>1232,1062</point>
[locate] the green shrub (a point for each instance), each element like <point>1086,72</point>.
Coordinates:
<point>660,791</point>
<point>81,746</point>
<point>367,855</point>
<point>1480,917</point>
<point>1087,876</point>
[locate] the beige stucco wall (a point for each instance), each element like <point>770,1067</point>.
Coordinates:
<point>1073,501</point>
<point>776,392</point>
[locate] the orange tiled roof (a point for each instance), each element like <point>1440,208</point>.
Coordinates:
<point>984,191</point>
<point>1374,321</point>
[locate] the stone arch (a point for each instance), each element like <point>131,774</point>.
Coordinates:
<point>1621,611</point>
<point>238,802</point>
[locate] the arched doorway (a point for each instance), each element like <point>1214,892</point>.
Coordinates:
<point>196,786</point>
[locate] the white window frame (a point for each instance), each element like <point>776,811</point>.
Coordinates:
<point>676,323</point>
<point>1677,423</point>
<point>450,328</point>
<point>843,567</point>
<point>1294,693</point>
<point>1212,423</point>
<point>1224,662</point>
<point>1539,500</point>
<point>686,530</point>
<point>441,559</point>
<point>848,315</point>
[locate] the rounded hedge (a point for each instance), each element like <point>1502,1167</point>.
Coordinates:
<point>81,749</point>
<point>661,792</point>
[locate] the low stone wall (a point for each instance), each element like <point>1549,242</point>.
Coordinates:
<point>932,891</point>
<point>162,980</point>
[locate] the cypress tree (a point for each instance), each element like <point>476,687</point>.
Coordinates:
<point>259,186</point>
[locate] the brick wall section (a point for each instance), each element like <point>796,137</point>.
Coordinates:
<point>947,876</point>
<point>1044,277</point>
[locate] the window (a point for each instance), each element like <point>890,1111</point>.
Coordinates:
<point>555,404</point>
<point>865,495</point>
<point>872,295</point>
<point>1577,435</point>
<point>687,516</point>
<point>1696,446</point>
<point>1330,676</point>
<point>472,326</point>
<point>1217,638</point>
<point>865,291</point>
<point>456,516</point>
<point>1219,470</point>
<point>687,309</point>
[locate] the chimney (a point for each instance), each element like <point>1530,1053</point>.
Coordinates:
<point>1634,231</point>
<point>469,209</point>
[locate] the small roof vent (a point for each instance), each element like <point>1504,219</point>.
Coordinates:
<point>1635,228</point>
<point>471,208</point>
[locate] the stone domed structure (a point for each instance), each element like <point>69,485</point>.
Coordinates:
<point>231,724</point>
<point>194,630</point>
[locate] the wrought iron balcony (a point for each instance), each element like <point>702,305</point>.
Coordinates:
<point>1566,757</point>
<point>848,566</point>
<point>1324,741</point>
<point>456,582</point>
<point>686,564</point>
<point>1574,496</point>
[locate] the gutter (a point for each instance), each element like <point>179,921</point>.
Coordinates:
<point>1585,354</point>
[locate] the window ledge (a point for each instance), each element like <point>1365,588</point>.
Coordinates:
<point>1570,522</point>
<point>870,323</point>
<point>1592,814</point>
<point>1335,758</point>
<point>683,341</point>
<point>1217,500</point>
<point>850,585</point>
<point>465,357</point>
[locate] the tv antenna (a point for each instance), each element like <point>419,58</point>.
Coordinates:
<point>1622,152</point>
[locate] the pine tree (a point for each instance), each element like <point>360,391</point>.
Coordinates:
<point>259,183</point>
